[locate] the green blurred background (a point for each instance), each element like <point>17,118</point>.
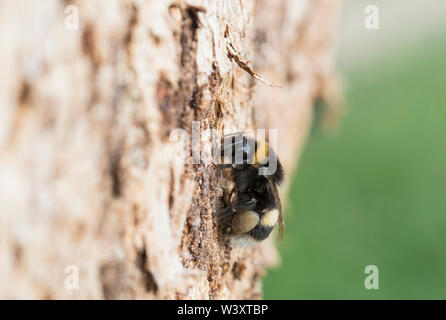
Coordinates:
<point>373,193</point>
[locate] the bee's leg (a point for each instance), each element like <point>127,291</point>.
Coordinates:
<point>244,221</point>
<point>225,213</point>
<point>245,203</point>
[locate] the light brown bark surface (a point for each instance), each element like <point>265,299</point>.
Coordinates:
<point>85,120</point>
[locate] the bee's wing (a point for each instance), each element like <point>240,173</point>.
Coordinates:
<point>237,149</point>
<point>234,134</point>
<point>275,192</point>
<point>230,144</point>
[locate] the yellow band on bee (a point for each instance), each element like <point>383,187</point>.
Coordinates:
<point>244,221</point>
<point>262,152</point>
<point>270,218</point>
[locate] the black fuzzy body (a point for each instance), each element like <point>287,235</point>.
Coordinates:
<point>251,190</point>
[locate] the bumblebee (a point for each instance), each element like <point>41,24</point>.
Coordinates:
<point>252,202</point>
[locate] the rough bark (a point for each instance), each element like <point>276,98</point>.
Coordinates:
<point>85,120</point>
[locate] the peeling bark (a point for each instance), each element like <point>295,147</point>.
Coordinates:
<point>85,123</point>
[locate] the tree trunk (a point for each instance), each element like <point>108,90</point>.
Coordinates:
<point>91,207</point>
